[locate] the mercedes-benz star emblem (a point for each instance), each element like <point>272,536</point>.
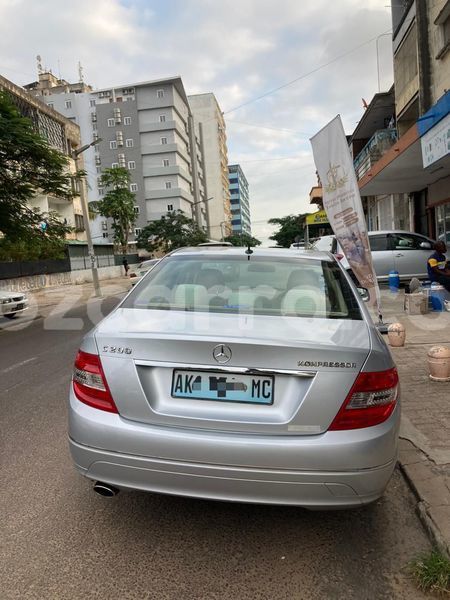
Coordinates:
<point>222,354</point>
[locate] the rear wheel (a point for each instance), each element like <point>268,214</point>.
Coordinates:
<point>11,316</point>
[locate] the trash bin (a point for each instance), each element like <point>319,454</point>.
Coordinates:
<point>394,281</point>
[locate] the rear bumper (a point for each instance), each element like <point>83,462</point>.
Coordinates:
<point>331,470</point>
<point>237,484</point>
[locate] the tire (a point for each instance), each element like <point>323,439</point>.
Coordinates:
<point>11,316</point>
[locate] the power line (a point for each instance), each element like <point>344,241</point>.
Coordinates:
<point>269,127</point>
<point>303,76</point>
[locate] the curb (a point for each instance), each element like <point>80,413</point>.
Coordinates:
<point>431,491</point>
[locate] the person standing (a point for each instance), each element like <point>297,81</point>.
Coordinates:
<point>437,267</point>
<point>126,266</point>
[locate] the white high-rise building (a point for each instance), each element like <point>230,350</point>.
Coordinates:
<point>147,128</point>
<point>207,112</point>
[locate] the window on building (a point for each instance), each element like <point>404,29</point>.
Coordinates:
<point>127,120</point>
<point>163,140</point>
<point>129,143</point>
<point>137,231</point>
<point>113,145</point>
<point>166,162</point>
<point>137,210</point>
<point>111,122</point>
<point>133,187</point>
<point>92,102</point>
<point>170,207</point>
<point>162,118</point>
<point>105,235</point>
<point>68,104</point>
<point>79,223</point>
<point>131,165</point>
<point>114,165</point>
<point>168,185</point>
<point>100,191</point>
<point>99,169</point>
<point>160,93</point>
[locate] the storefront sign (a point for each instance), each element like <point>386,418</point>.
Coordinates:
<point>317,218</point>
<point>342,203</point>
<point>436,142</point>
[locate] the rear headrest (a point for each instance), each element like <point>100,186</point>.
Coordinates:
<point>209,278</point>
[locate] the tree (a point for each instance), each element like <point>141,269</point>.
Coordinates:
<point>171,231</point>
<point>117,204</point>
<point>28,166</point>
<point>289,228</point>
<point>242,239</point>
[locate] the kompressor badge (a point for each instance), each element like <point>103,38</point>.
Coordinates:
<point>325,363</point>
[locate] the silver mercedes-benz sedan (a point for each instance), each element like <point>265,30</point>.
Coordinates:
<point>243,375</point>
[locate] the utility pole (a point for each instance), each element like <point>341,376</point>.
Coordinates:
<point>76,154</point>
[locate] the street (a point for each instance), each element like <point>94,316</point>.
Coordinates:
<point>61,540</point>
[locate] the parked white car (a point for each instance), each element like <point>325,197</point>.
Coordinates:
<point>12,304</point>
<point>144,267</point>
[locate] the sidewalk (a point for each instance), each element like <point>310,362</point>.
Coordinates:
<point>425,430</point>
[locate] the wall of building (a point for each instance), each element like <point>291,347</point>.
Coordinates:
<point>207,111</point>
<point>439,37</point>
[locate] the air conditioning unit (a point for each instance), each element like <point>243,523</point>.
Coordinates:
<point>98,160</point>
<point>117,115</point>
<point>94,117</point>
<point>121,156</point>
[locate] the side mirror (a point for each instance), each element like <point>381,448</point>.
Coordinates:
<point>425,245</point>
<point>364,293</point>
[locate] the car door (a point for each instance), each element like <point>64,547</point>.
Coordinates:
<point>411,252</point>
<point>382,255</point>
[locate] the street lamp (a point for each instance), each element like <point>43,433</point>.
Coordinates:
<point>76,157</point>
<point>378,58</point>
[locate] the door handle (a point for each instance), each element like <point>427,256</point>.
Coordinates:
<point>399,254</point>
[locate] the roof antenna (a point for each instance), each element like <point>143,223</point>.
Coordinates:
<point>80,73</point>
<point>249,251</point>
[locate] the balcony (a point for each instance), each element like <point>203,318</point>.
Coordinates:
<point>379,144</point>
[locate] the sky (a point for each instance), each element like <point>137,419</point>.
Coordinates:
<point>323,56</point>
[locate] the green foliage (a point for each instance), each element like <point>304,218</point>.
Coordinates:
<point>117,204</point>
<point>289,228</point>
<point>28,165</point>
<point>432,573</point>
<point>39,245</point>
<point>242,239</point>
<point>174,230</point>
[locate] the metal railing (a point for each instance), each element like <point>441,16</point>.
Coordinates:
<point>381,141</point>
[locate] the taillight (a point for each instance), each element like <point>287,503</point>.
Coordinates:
<point>339,256</point>
<point>371,401</point>
<point>89,382</point>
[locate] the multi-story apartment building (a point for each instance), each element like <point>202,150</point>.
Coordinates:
<point>63,135</point>
<point>147,128</point>
<point>210,127</point>
<point>414,170</point>
<point>239,198</point>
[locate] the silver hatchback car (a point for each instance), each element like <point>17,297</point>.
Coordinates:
<point>232,374</point>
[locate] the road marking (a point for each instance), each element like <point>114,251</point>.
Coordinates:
<point>20,364</point>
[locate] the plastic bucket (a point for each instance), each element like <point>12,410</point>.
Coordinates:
<point>394,281</point>
<point>438,296</point>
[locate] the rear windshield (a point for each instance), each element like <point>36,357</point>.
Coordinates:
<point>260,286</point>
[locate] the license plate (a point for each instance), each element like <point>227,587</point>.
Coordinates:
<point>224,387</point>
<point>19,306</point>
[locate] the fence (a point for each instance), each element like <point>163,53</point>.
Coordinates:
<point>10,270</point>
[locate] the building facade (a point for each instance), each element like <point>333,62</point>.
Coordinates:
<point>412,173</point>
<point>63,135</point>
<point>147,128</point>
<point>239,200</point>
<point>210,128</point>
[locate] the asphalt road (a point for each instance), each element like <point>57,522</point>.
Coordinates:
<point>60,540</point>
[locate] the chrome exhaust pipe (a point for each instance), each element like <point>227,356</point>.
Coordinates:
<point>105,489</point>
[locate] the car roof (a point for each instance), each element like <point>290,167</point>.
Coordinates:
<point>209,251</point>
